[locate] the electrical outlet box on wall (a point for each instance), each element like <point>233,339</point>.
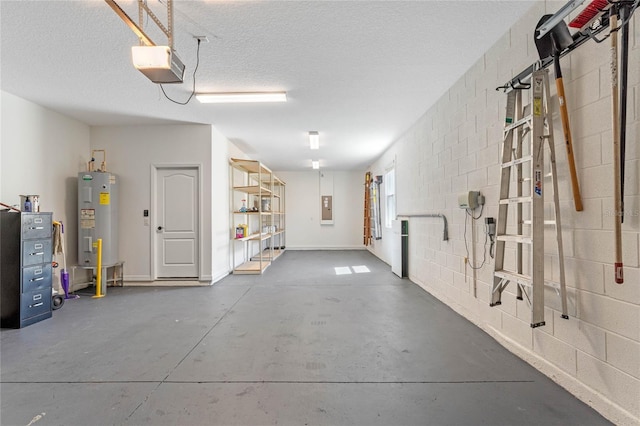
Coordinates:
<point>468,200</point>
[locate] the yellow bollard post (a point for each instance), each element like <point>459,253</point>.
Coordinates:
<point>99,272</point>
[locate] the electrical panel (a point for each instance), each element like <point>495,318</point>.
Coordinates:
<point>97,217</point>
<point>327,203</point>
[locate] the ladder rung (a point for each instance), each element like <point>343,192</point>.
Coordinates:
<point>517,161</point>
<point>512,200</point>
<point>546,222</point>
<point>523,120</point>
<point>523,279</point>
<point>514,276</point>
<point>514,238</point>
<point>528,179</point>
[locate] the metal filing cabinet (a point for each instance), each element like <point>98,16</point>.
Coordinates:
<point>25,268</point>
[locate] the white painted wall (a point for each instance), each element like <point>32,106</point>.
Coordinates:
<point>41,153</point>
<point>455,147</point>
<point>304,231</point>
<point>131,151</point>
<point>221,150</point>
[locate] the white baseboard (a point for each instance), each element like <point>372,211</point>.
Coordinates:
<point>129,278</point>
<point>326,247</point>
<point>146,281</point>
<point>167,283</point>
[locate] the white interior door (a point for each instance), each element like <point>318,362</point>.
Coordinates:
<point>177,211</point>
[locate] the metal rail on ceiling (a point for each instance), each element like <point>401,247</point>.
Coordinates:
<point>520,81</point>
<point>137,28</point>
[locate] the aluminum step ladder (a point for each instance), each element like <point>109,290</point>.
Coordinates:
<point>527,129</point>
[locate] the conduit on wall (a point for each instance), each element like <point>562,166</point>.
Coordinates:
<point>445,233</point>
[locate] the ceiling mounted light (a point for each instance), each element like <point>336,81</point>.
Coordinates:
<point>315,165</point>
<point>314,140</point>
<point>240,97</point>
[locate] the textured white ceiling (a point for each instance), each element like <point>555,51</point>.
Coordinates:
<point>358,72</point>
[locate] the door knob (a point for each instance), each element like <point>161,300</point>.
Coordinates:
<point>159,228</point>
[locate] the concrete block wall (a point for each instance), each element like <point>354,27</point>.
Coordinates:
<point>455,146</point>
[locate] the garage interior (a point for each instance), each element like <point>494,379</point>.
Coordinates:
<point>306,348</point>
<point>378,199</point>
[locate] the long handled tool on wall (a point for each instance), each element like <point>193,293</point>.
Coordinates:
<point>624,9</point>
<point>552,44</point>
<point>615,119</point>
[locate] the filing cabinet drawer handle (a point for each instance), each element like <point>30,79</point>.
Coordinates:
<point>36,305</point>
<point>40,253</point>
<point>36,227</point>
<point>37,279</point>
<point>37,297</point>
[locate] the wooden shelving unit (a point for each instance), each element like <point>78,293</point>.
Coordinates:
<point>264,195</point>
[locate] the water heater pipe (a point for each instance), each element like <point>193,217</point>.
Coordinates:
<point>103,165</point>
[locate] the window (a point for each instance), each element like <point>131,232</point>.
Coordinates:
<point>390,197</point>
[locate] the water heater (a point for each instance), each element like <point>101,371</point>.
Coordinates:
<point>97,217</point>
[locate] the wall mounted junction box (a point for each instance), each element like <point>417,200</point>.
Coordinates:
<point>468,200</point>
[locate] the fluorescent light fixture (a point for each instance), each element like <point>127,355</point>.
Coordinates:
<point>158,63</point>
<point>239,97</point>
<point>315,165</point>
<point>314,140</point>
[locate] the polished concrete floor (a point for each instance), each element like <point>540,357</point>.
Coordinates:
<point>299,345</point>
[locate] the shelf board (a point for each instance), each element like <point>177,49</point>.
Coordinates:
<point>253,189</point>
<point>255,237</point>
<point>266,255</point>
<point>250,166</point>
<point>253,212</point>
<point>262,236</point>
<point>251,267</point>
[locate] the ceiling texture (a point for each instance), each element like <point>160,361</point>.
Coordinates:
<point>358,72</point>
